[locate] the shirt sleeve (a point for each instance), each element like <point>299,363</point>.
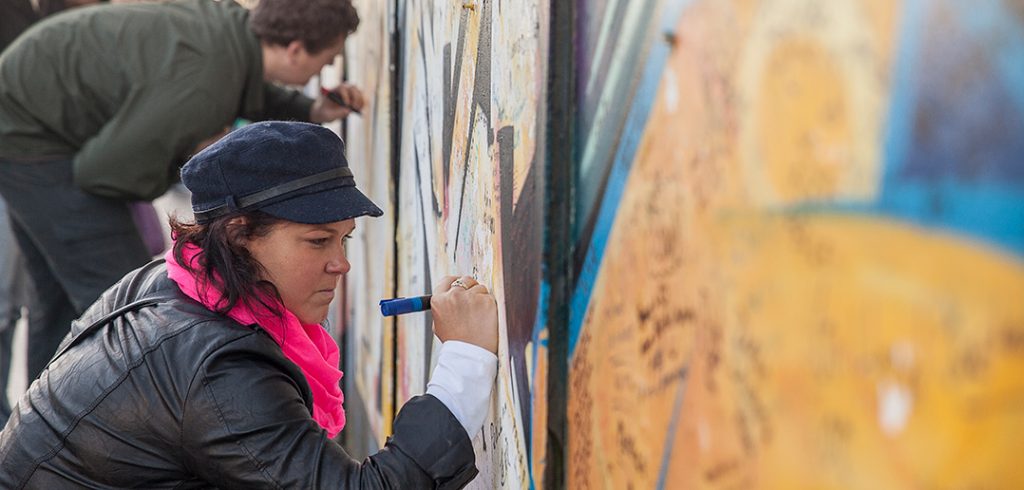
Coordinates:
<point>463,380</point>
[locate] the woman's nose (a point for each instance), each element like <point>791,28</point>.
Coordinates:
<point>339,264</point>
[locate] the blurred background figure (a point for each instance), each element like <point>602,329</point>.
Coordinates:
<point>15,17</point>
<point>78,173</point>
<point>15,286</point>
<point>14,289</point>
<point>18,15</point>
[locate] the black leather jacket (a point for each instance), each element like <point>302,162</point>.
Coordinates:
<point>163,393</point>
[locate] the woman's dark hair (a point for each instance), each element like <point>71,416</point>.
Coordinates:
<point>224,262</point>
<point>317,23</point>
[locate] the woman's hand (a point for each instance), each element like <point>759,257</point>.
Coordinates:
<point>464,310</point>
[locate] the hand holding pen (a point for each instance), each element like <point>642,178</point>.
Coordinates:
<point>347,96</point>
<point>463,310</point>
<point>337,103</point>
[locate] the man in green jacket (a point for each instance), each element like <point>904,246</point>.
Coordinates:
<point>99,106</point>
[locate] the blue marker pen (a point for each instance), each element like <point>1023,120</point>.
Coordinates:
<point>398,306</point>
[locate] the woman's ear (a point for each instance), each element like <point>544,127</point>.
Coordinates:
<point>235,228</point>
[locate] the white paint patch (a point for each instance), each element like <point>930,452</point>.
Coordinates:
<point>894,405</point>
<point>703,435</point>
<point>671,90</point>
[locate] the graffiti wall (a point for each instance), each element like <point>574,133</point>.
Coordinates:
<point>806,262</point>
<point>612,38</point>
<point>469,196</point>
<point>468,199</point>
<point>795,235</point>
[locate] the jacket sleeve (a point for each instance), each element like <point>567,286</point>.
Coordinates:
<point>134,155</point>
<point>246,425</point>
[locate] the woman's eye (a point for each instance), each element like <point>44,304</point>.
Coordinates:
<point>319,242</point>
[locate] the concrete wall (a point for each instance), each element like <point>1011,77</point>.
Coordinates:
<point>793,232</point>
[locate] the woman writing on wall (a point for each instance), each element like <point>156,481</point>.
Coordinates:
<point>211,368</point>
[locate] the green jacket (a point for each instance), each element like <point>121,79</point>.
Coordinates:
<point>129,90</point>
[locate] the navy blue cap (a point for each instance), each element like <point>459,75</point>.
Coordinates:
<point>294,171</point>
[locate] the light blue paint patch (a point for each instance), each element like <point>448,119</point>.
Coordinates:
<point>992,22</point>
<point>904,95</point>
<point>636,123</point>
<point>953,177</point>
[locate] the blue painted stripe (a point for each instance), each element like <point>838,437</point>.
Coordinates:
<point>1001,30</point>
<point>993,213</point>
<point>673,426</point>
<point>635,126</point>
<point>539,324</point>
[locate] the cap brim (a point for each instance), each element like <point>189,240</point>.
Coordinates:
<point>326,206</point>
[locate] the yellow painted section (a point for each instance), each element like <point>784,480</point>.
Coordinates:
<point>539,412</point>
<point>822,352</point>
<point>881,355</point>
<point>805,138</point>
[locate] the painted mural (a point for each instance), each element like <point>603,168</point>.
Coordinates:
<point>806,266</point>
<point>613,37</point>
<point>368,137</point>
<point>470,197</point>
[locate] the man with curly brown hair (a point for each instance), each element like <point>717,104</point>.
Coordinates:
<point>100,105</point>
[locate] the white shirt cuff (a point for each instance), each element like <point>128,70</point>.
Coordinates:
<point>462,381</point>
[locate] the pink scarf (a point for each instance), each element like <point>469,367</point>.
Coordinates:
<point>310,347</point>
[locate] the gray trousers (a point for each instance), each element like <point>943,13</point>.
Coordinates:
<point>14,294</point>
<point>75,245</point>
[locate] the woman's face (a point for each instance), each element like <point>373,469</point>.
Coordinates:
<point>304,262</point>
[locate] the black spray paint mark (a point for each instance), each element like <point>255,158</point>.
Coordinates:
<point>522,247</point>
